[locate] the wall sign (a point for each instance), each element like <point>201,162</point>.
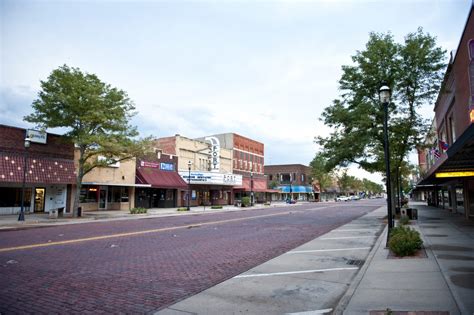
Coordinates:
<point>149,164</point>
<point>36,136</point>
<point>214,153</point>
<point>167,166</point>
<point>210,178</point>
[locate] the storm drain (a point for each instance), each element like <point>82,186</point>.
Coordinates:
<point>355,262</point>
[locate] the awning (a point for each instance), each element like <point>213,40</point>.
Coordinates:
<point>160,179</point>
<point>295,189</point>
<point>459,157</point>
<point>39,170</point>
<point>259,185</point>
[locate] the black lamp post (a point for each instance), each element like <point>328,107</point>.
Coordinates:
<point>21,216</point>
<point>384,94</point>
<point>189,183</point>
<point>251,188</point>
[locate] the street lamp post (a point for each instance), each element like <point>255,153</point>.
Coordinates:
<point>189,183</point>
<point>251,188</point>
<point>384,94</point>
<point>21,216</point>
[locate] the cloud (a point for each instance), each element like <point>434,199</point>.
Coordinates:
<point>15,103</point>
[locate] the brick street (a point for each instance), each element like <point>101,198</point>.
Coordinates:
<point>142,273</point>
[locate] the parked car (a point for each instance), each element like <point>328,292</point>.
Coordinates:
<point>342,198</point>
<point>355,198</point>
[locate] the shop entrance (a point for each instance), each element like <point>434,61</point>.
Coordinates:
<point>39,200</point>
<point>103,197</point>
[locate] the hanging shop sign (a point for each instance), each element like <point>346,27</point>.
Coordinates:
<point>36,136</point>
<point>210,178</point>
<point>214,153</point>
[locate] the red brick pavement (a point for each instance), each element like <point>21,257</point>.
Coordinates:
<point>145,273</point>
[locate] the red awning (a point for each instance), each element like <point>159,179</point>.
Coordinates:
<point>259,185</point>
<point>160,179</point>
<point>39,170</point>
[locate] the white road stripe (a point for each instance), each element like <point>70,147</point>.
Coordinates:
<point>345,237</point>
<point>312,312</point>
<point>325,250</point>
<point>293,272</point>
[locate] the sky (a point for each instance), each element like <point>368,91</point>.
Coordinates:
<point>262,69</point>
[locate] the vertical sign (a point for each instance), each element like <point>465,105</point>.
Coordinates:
<point>214,153</point>
<point>471,80</point>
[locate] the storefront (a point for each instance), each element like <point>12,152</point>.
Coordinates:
<point>165,185</point>
<point>43,162</point>
<point>209,188</point>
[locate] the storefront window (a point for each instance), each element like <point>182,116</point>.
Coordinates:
<point>89,194</point>
<point>11,197</point>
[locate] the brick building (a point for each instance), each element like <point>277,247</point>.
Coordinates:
<point>50,171</point>
<point>248,159</point>
<point>449,181</point>
<point>206,166</point>
<point>160,171</point>
<point>293,181</point>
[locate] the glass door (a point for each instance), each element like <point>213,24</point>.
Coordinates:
<point>39,199</point>
<point>103,197</point>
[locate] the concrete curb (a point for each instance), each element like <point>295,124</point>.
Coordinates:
<point>344,301</point>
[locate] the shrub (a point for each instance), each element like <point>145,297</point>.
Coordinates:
<point>216,207</point>
<point>245,201</point>
<point>182,209</point>
<point>138,210</point>
<point>404,220</point>
<point>404,241</point>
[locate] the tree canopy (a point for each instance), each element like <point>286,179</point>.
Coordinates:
<point>95,115</point>
<point>413,70</point>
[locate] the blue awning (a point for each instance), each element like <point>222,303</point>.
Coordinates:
<point>295,189</point>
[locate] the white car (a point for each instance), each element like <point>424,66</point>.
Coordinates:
<point>343,198</point>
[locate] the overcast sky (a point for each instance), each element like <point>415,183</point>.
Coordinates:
<point>262,69</point>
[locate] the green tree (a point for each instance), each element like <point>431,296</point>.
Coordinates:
<point>320,171</point>
<point>95,115</point>
<point>413,69</point>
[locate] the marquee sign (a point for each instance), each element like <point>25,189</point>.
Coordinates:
<point>210,178</point>
<point>214,153</point>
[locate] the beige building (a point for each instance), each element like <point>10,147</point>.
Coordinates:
<point>109,188</point>
<point>206,166</point>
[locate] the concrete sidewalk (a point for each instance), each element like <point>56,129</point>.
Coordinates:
<point>8,222</point>
<point>442,281</point>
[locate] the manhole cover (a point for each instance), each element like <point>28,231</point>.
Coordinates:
<point>455,257</point>
<point>453,248</point>
<point>463,269</point>
<point>355,262</point>
<point>465,280</point>
<point>436,235</point>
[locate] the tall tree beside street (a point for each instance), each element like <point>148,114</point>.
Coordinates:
<point>413,70</point>
<point>320,171</point>
<point>95,115</point>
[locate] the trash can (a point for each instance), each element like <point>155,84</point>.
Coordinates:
<point>79,211</point>
<point>412,213</point>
